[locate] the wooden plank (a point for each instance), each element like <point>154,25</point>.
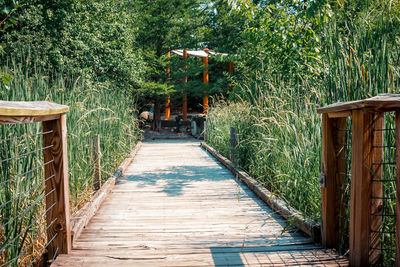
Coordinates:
<point>31,109</point>
<point>57,188</point>
<point>382,102</point>
<point>342,106</point>
<point>398,188</point>
<point>340,114</point>
<point>307,226</point>
<point>179,219</point>
<point>362,132</point>
<point>27,119</point>
<point>81,218</point>
<point>284,257</point>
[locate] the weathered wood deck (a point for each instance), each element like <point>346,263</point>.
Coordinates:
<point>177,206</point>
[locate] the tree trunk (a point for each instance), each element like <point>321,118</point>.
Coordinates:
<point>156,126</point>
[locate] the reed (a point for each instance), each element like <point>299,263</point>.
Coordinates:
<point>278,127</point>
<point>94,109</point>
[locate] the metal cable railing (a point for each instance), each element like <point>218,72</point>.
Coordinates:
<point>34,190</point>
<point>22,193</point>
<point>343,157</point>
<point>386,195</point>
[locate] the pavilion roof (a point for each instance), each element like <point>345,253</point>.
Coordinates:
<point>197,53</point>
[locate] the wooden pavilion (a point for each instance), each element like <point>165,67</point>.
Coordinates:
<point>204,54</point>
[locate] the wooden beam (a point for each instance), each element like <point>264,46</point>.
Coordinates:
<point>185,80</point>
<point>27,119</point>
<point>340,114</point>
<point>31,109</point>
<point>397,188</point>
<point>332,177</point>
<point>231,70</point>
<point>382,102</point>
<point>233,144</point>
<point>231,67</point>
<point>168,101</point>
<point>362,155</point>
<point>205,82</point>
<point>57,187</point>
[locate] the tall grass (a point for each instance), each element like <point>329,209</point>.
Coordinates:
<point>94,109</point>
<point>278,146</point>
<point>279,128</point>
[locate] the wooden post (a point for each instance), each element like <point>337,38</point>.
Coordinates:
<point>205,82</point>
<point>205,131</point>
<point>96,156</point>
<point>376,189</point>
<point>397,188</point>
<point>167,104</point>
<point>231,70</point>
<point>185,80</point>
<point>57,188</point>
<point>231,67</point>
<point>332,177</point>
<point>233,144</point>
<point>361,165</point>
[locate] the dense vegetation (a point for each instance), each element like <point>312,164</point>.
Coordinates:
<point>295,57</point>
<point>107,60</point>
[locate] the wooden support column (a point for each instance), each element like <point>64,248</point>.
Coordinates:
<point>96,156</point>
<point>185,80</point>
<point>376,205</point>
<point>233,144</point>
<point>205,131</point>
<point>397,188</point>
<point>332,177</point>
<point>167,104</point>
<point>57,188</point>
<point>205,82</point>
<point>361,175</point>
<point>231,70</point>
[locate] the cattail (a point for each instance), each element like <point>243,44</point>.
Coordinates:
<point>363,75</point>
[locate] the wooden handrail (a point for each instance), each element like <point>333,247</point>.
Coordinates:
<point>382,102</point>
<point>35,108</point>
<point>53,118</point>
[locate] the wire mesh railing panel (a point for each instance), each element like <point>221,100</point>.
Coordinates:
<point>385,196</point>
<point>343,177</point>
<point>23,210</point>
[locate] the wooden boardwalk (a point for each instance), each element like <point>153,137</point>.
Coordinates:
<point>177,206</point>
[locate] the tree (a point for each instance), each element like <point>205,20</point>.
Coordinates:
<point>164,25</point>
<point>95,39</point>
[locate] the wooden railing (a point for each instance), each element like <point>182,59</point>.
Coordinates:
<point>360,179</point>
<point>55,169</point>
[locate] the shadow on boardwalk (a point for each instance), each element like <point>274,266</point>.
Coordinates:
<point>178,206</point>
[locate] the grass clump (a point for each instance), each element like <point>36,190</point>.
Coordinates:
<point>95,109</point>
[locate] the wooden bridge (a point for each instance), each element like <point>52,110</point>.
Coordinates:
<point>177,206</point>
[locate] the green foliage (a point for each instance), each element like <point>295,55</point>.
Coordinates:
<point>168,24</point>
<point>93,39</point>
<point>95,109</point>
<point>297,56</point>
